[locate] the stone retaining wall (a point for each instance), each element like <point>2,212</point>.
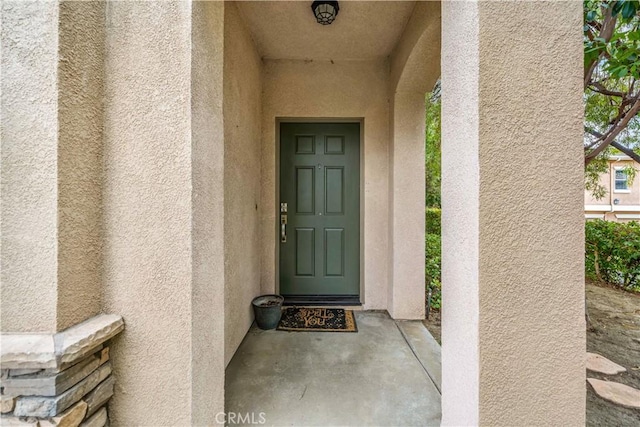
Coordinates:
<point>62,379</point>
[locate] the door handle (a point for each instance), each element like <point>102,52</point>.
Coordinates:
<point>283,228</point>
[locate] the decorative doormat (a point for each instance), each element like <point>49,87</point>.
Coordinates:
<point>317,319</point>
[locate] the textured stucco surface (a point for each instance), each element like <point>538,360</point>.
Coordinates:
<point>521,306</point>
<point>406,207</point>
<point>29,135</point>
<point>207,198</point>
<point>415,60</point>
<point>319,89</point>
<point>414,68</point>
<point>531,266</point>
<point>52,64</point>
<point>363,30</point>
<point>242,153</point>
<point>169,360</point>
<point>80,121</point>
<point>460,214</point>
<point>175,175</point>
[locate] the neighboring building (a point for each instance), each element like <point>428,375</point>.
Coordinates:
<point>622,201</point>
<point>147,147</point>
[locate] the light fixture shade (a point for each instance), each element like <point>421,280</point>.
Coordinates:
<point>325,11</point>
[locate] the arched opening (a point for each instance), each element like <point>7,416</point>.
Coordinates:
<point>377,74</point>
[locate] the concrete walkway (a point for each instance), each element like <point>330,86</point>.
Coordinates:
<point>377,376</point>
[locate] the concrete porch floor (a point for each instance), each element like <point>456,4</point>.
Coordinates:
<point>386,374</point>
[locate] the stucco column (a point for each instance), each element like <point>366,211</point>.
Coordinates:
<point>164,211</point>
<point>407,290</point>
<point>512,190</point>
<point>52,63</point>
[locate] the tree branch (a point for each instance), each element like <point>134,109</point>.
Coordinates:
<point>595,133</point>
<point>599,87</point>
<point>626,150</point>
<point>606,32</point>
<point>614,131</point>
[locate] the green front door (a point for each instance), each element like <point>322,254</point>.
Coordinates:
<point>319,215</point>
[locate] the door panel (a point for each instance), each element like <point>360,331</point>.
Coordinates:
<point>305,252</point>
<point>305,144</point>
<point>334,252</point>
<point>334,191</point>
<point>335,145</point>
<point>305,190</point>
<point>320,183</point>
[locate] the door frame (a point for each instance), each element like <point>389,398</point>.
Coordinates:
<point>276,223</point>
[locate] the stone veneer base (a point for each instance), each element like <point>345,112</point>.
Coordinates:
<point>58,379</point>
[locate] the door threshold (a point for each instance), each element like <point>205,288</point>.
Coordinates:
<point>323,300</point>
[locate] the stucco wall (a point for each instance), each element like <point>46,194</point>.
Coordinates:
<point>414,69</point>
<point>52,64</point>
<point>324,89</point>
<point>406,207</point>
<point>415,60</point>
<point>627,207</point>
<point>632,197</point>
<point>162,263</point>
<point>29,166</point>
<point>521,306</point>
<point>460,215</point>
<point>242,152</point>
<point>543,281</point>
<point>80,122</point>
<point>207,198</point>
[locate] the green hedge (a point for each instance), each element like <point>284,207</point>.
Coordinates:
<point>432,269</point>
<point>433,220</point>
<point>612,252</point>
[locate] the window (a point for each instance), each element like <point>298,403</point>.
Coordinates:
<point>621,181</point>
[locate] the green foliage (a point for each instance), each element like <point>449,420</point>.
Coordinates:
<point>433,220</point>
<point>432,268</point>
<point>612,66</point>
<point>592,177</point>
<point>631,173</point>
<point>432,264</point>
<point>619,56</point>
<point>432,150</point>
<point>613,253</point>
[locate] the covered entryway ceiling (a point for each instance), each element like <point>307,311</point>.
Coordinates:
<point>362,30</point>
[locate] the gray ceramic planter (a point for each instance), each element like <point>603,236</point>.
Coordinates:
<point>267,310</point>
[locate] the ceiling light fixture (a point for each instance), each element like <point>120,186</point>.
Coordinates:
<point>325,11</point>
